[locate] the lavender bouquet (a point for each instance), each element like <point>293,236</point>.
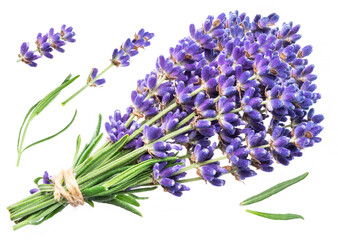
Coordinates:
<point>231,99</point>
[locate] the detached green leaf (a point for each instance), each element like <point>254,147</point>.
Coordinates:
<point>54,135</point>
<point>273,190</point>
<point>23,123</point>
<point>53,94</point>
<point>35,110</point>
<point>276,216</point>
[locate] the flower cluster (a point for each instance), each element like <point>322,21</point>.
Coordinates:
<point>46,44</point>
<point>225,79</point>
<point>121,57</point>
<point>130,48</point>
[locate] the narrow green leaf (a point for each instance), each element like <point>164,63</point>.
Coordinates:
<point>35,110</point>
<point>89,149</point>
<point>23,123</point>
<point>36,180</point>
<point>90,203</point>
<point>276,216</point>
<point>125,206</point>
<point>137,197</point>
<point>98,128</point>
<point>103,199</point>
<point>138,190</point>
<point>50,215</point>
<point>53,94</point>
<point>128,199</point>
<point>273,190</point>
<point>135,170</point>
<point>101,157</point>
<point>89,192</point>
<point>54,135</point>
<point>102,177</point>
<point>78,144</point>
<point>96,133</point>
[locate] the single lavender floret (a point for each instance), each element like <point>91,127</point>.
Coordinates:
<point>67,33</point>
<point>26,56</point>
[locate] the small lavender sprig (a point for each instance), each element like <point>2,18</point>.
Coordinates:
<point>46,44</point>
<point>120,57</point>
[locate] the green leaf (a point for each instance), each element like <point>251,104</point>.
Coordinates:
<point>80,157</point>
<point>137,197</point>
<point>128,199</point>
<point>273,190</point>
<point>54,135</point>
<point>104,154</point>
<point>50,215</point>
<point>134,171</point>
<point>23,123</point>
<point>276,216</point>
<point>85,154</point>
<point>35,110</point>
<point>78,144</point>
<point>90,203</point>
<point>138,190</point>
<point>89,192</point>
<point>53,94</point>
<point>98,128</point>
<point>36,180</point>
<point>125,206</point>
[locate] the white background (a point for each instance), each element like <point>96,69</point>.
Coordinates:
<point>205,212</point>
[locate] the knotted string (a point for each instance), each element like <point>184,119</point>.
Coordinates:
<point>72,192</point>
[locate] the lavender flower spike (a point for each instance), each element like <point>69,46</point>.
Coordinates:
<point>45,44</point>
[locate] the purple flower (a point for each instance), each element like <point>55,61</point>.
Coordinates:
<point>92,78</point>
<point>129,48</point>
<point>116,127</point>
<point>204,106</point>
<point>211,173</point>
<point>46,179</point>
<point>238,155</point>
<point>168,178</point>
<point>67,33</point>
<point>163,149</point>
<point>151,134</point>
<point>119,58</point>
<point>226,80</point>
<point>305,134</point>
<point>26,56</point>
<point>43,46</point>
<point>55,40</point>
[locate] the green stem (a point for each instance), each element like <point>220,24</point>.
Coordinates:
<point>190,180</point>
<point>195,165</point>
<point>22,140</point>
<point>87,85</point>
<point>130,119</point>
<point>152,120</point>
<point>76,93</point>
